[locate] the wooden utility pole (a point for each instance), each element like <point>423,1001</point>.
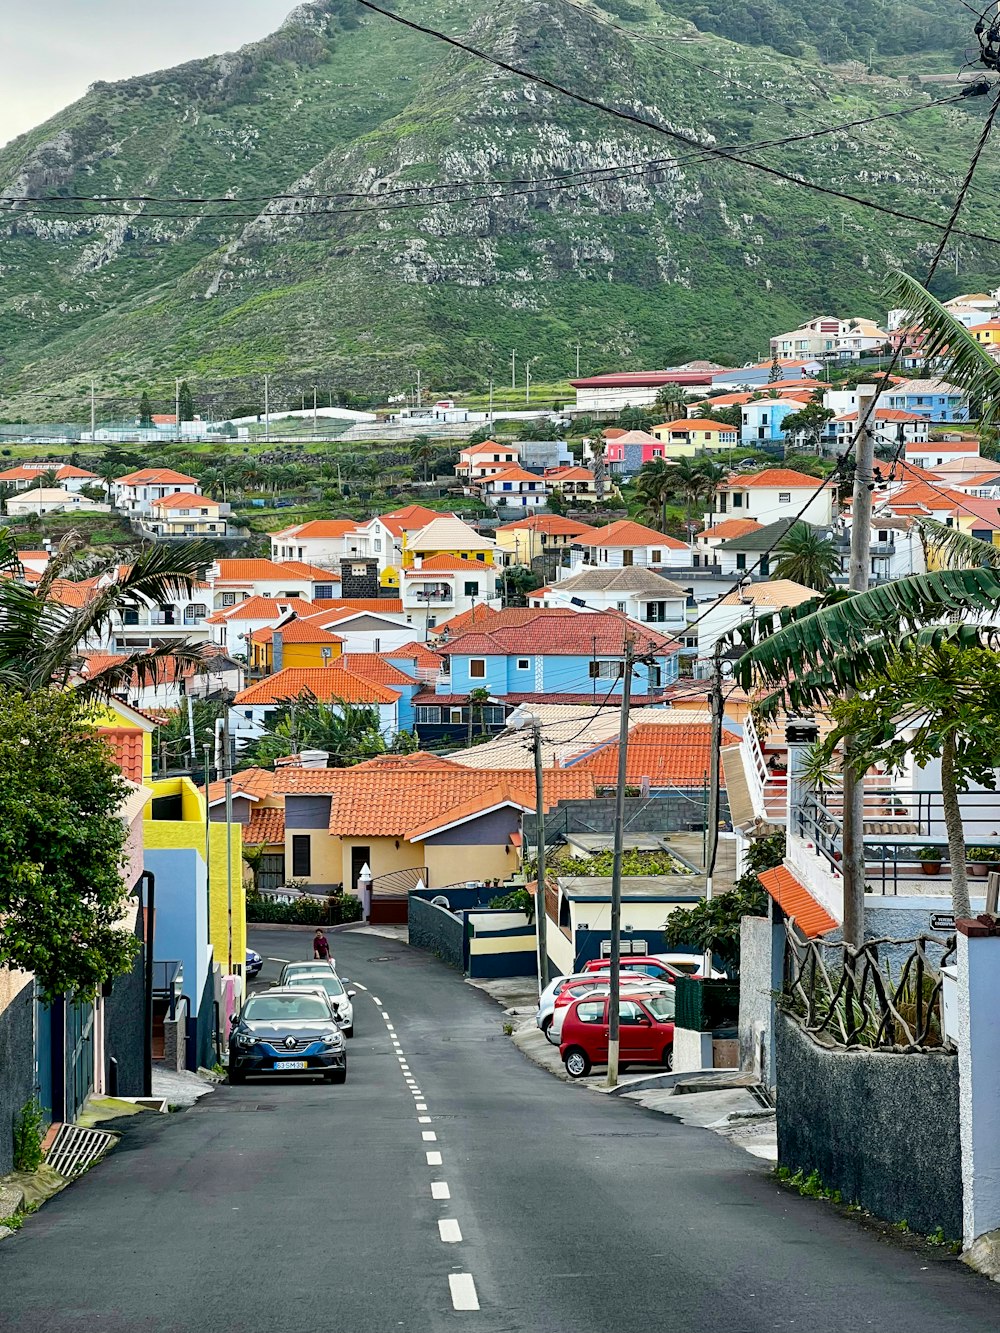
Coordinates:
<point>854,786</point>
<point>615,987</point>
<point>717,707</point>
<point>540,914</point>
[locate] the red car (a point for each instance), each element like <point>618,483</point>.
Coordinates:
<point>575,988</point>
<point>652,967</point>
<point>645,1033</point>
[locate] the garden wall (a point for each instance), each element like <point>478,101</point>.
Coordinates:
<point>437,930</point>
<point>882,1128</point>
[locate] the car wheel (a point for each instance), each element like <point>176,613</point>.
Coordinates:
<point>577,1063</point>
<point>668,1057</point>
<point>237,1076</point>
<point>337,1076</point>
<point>548,1034</point>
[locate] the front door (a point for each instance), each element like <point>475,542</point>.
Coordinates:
<point>360,857</point>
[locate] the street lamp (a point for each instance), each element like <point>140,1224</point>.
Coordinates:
<point>517,721</point>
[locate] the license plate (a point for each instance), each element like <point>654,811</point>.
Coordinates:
<point>291,1064</point>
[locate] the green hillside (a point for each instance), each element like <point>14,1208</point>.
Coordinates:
<point>694,258</point>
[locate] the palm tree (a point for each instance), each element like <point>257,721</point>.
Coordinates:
<point>694,481</point>
<point>42,637</point>
<point>806,556</point>
<point>347,732</point>
<point>421,453</point>
<point>478,699</point>
<point>673,399</point>
<point>109,470</point>
<point>655,486</point>
<point>600,467</point>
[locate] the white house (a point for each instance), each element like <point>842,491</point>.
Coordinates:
<point>932,454</point>
<point>486,459</point>
<point>887,424</point>
<point>443,586</point>
<point>641,594</point>
<point>776,493</point>
<point>184,514</point>
<point>745,603</point>
<point>334,685</point>
<point>183,617</point>
<point>53,500</point>
<point>827,336</point>
<point>384,537</point>
<point>67,477</point>
<point>367,631</point>
<point>134,493</point>
<point>322,541</point>
<point>233,581</point>
<point>514,488</point>
<point>231,627</point>
<point>624,544</point>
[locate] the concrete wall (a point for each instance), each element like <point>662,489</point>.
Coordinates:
<point>124,1026</point>
<point>440,932</point>
<point>761,953</point>
<point>882,1128</point>
<point>669,813</point>
<point>17,1055</point>
<point>501,944</point>
<point>455,865</point>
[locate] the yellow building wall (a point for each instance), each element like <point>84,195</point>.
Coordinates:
<point>188,832</point>
<point>454,864</point>
<point>389,578</point>
<point>308,654</point>
<point>325,856</point>
<point>386,858</point>
<point>408,556</point>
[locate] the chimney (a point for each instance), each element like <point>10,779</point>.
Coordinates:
<point>277,650</point>
<point>314,758</point>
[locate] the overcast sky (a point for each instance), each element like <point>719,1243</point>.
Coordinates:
<point>54,48</point>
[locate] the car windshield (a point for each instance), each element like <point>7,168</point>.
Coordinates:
<point>660,1006</point>
<point>329,983</point>
<point>284,1008</point>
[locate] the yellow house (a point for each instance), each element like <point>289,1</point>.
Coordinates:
<point>538,534</point>
<point>447,535</point>
<point>694,435</point>
<point>297,643</point>
<point>130,736</point>
<point>184,514</point>
<point>175,821</point>
<point>987,334</point>
<point>404,818</point>
<point>577,484</point>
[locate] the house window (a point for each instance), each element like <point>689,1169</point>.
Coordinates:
<point>494,716</point>
<point>248,712</point>
<point>784,497</point>
<point>301,855</point>
<point>456,714</point>
<point>228,599</point>
<point>606,670</point>
<point>323,590</point>
<point>427,715</point>
<point>656,557</point>
<point>737,501</point>
<point>619,606</point>
<point>377,543</point>
<point>741,561</point>
<point>627,557</point>
<point>765,566</point>
<point>477,668</point>
<point>471,588</point>
<point>445,665</point>
<point>524,664</point>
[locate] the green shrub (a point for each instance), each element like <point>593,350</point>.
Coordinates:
<point>28,1136</point>
<point>335,910</point>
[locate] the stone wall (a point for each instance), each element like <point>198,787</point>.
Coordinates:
<point>882,1128</point>
<point>438,931</point>
<point>17,1055</point>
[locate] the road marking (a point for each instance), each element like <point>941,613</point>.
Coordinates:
<point>378,1002</point>
<point>423,1120</point>
<point>385,1016</point>
<point>428,1136</point>
<point>451,1232</point>
<point>360,986</point>
<point>463,1291</point>
<point>434,1159</point>
<point>440,1190</point>
<point>416,1092</point>
<point>421,1106</point>
<point>277,960</point>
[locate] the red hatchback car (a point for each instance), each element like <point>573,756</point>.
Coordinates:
<point>645,1032</point>
<point>647,963</point>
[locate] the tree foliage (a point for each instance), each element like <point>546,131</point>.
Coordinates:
<point>185,403</point>
<point>62,844</point>
<point>348,733</point>
<point>806,556</point>
<point>145,411</point>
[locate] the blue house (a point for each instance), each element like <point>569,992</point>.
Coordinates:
<point>933,400</point>
<point>556,652</point>
<point>762,418</point>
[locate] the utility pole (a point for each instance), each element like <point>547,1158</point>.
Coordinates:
<point>578,361</point>
<point>227,759</point>
<point>615,988</point>
<point>192,749</point>
<point>315,426</point>
<point>540,913</point>
<point>513,380</point>
<point>527,381</point>
<point>717,706</point>
<point>854,786</point>
<point>491,404</point>
<point>93,411</point>
<point>267,408</point>
<point>420,394</point>
<point>208,829</point>
<point>177,405</point>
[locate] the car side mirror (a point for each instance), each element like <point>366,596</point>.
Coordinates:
<point>351,994</point>
<point>645,1022</point>
<point>233,1020</point>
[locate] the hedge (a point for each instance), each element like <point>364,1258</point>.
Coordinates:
<point>306,911</point>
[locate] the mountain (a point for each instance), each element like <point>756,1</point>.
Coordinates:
<point>694,257</point>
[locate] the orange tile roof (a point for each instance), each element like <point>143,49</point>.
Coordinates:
<point>480,614</point>
<point>295,631</point>
<point>554,474</point>
<point>420,759</point>
<point>327,684</point>
<point>888,414</point>
<point>125,744</point>
<point>63,472</point>
<point>183,500</point>
<point>320,527</point>
<point>628,533</point>
<point>945,446</point>
<point>444,562</point>
<point>400,801</point>
<point>316,573</point>
<point>417,653</point>
<point>373,666</point>
<point>775,477</point>
<point>260,608</point>
<point>411,518</point>
<point>732,527</point>
<point>980,479</point>
<point>250,571</point>
<point>512,474</point>
<point>556,630</point>
<point>675,756</point>
<point>266,828</point>
<point>796,901</point>
<point>922,493</point>
<point>156,476</point>
<point>686,424</point>
<point>255,783</point>
<point>552,524</point>
<point>331,610</point>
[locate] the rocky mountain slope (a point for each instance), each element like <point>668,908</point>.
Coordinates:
<point>361,278</point>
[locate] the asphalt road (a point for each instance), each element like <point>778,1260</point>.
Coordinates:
<point>296,1207</point>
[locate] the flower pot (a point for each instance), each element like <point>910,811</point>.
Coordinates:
<point>931,867</point>
<point>979,869</point>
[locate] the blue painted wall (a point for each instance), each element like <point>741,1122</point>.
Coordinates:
<point>559,674</point>
<point>181,929</point>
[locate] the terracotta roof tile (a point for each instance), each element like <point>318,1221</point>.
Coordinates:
<point>557,630</point>
<point>316,573</point>
<point>552,524</point>
<point>775,477</point>
<point>261,608</point>
<point>295,631</point>
<point>320,527</point>
<point>411,518</point>
<point>330,610</point>
<point>156,476</point>
<point>373,666</point>
<point>184,500</point>
<point>686,424</point>
<point>669,756</point>
<point>796,901</point>
<point>417,653</point>
<point>326,684</point>
<point>628,533</point>
<point>255,783</point>
<point>732,527</point>
<point>420,759</point>
<point>444,563</point>
<point>250,571</point>
<point>266,828</point>
<point>126,749</point>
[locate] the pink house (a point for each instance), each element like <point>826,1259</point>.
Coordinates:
<point>628,452</point>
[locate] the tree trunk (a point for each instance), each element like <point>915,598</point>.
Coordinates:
<point>956,834</point>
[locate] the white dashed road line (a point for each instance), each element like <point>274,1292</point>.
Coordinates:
<point>421,1106</point>
<point>429,1136</point>
<point>440,1190</point>
<point>379,1003</point>
<point>423,1120</point>
<point>451,1232</point>
<point>360,986</point>
<point>434,1159</point>
<point>463,1291</point>
<point>277,960</point>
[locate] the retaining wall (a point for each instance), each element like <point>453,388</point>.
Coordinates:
<point>438,931</point>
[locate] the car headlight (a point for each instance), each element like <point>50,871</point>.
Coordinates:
<point>245,1039</point>
<point>334,1038</point>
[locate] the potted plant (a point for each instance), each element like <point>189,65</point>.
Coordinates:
<point>981,860</point>
<point>930,859</point>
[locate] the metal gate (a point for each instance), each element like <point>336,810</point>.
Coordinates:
<point>79,1056</point>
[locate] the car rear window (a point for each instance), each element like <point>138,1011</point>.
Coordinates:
<point>284,1008</point>
<point>590,1011</point>
<point>329,983</point>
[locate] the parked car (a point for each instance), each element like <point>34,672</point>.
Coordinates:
<point>254,963</point>
<point>306,965</point>
<point>285,1032</point>
<point>596,983</point>
<point>547,999</point>
<point>645,1033</point>
<point>652,965</point>
<point>333,988</point>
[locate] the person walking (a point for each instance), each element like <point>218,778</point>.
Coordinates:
<point>321,945</point>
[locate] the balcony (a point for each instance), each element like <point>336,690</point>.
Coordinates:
<point>438,596</point>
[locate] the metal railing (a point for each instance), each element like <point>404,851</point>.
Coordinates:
<point>883,995</point>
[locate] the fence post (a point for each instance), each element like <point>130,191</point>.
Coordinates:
<point>979,1087</point>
